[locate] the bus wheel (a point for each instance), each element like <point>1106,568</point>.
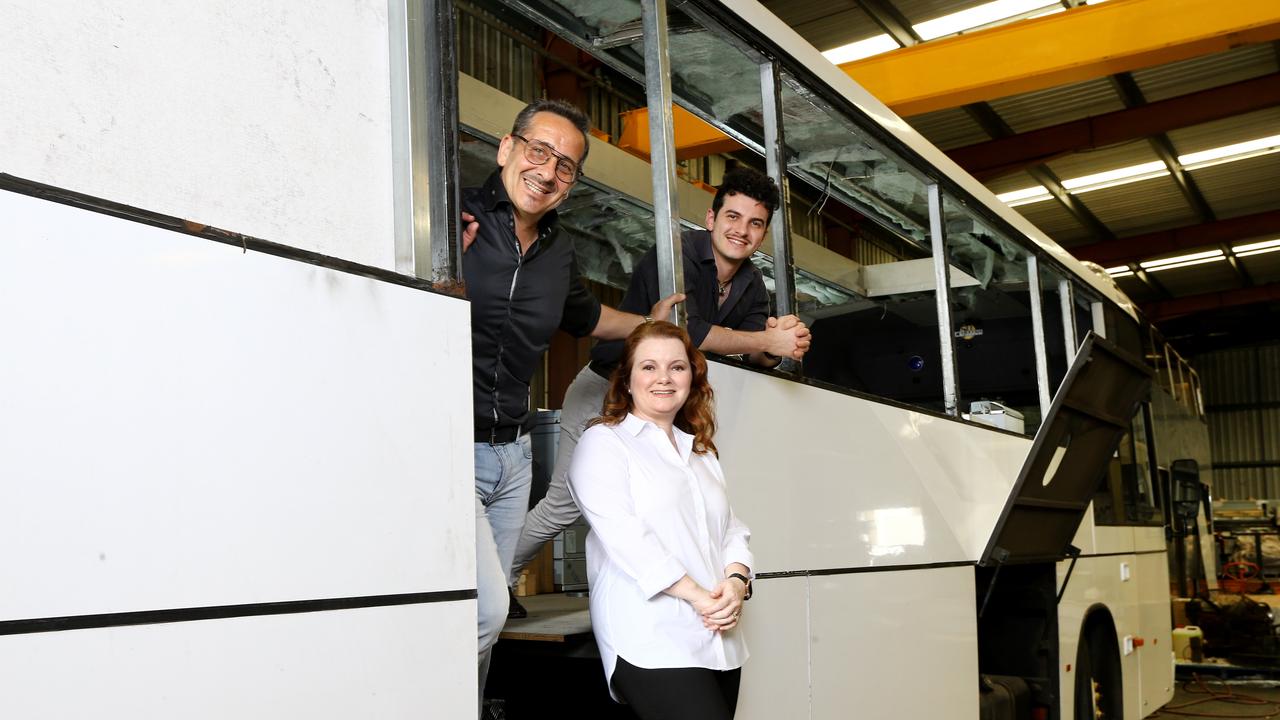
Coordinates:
<point>1098,692</point>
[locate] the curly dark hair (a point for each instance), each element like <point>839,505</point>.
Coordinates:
<point>579,119</point>
<point>697,417</point>
<point>743,180</point>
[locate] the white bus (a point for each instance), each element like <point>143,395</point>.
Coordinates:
<point>234,421</point>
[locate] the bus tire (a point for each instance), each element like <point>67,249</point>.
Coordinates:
<point>1099,688</point>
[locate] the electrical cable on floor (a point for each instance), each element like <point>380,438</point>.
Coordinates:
<point>1228,696</point>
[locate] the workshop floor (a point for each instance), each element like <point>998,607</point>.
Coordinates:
<point>1215,699</point>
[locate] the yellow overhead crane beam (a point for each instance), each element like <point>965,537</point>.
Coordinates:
<point>1069,47</point>
<point>1072,46</point>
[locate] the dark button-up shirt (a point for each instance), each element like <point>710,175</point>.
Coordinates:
<point>517,302</point>
<point>746,307</point>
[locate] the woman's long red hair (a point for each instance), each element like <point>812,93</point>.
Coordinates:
<point>696,417</point>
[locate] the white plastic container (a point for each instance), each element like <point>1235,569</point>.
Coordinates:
<point>1188,644</point>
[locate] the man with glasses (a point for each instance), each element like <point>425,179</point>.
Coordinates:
<point>523,283</point>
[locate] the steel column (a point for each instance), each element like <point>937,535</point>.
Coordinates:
<point>775,153</point>
<point>942,282</point>
<point>1037,334</point>
<point>666,211</point>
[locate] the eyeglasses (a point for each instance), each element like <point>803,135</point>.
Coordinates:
<point>539,153</point>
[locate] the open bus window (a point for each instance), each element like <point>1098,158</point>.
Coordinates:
<point>995,345</point>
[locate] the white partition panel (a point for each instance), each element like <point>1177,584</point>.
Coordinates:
<point>270,118</point>
<point>370,663</point>
<point>189,430</point>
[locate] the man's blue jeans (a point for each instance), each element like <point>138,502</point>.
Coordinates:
<point>503,476</point>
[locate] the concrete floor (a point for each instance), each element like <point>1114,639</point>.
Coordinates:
<point>1250,699</point>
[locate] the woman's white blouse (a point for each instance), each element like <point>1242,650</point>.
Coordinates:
<point>656,514</point>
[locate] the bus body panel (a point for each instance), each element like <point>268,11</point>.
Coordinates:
<point>383,662</point>
<point>211,441</point>
<point>829,480</point>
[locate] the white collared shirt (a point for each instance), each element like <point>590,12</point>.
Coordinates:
<point>656,514</point>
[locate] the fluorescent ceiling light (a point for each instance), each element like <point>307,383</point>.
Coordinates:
<point>1120,176</point>
<point>979,16</point>
<point>1188,263</point>
<point>861,49</point>
<point>1025,196</point>
<point>1127,272</point>
<point>1230,153</point>
<point>1196,258</point>
<point>1257,248</point>
<point>1146,171</point>
<point>1117,270</point>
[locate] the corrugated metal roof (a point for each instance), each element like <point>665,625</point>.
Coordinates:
<point>1137,290</point>
<point>1227,131</point>
<point>823,23</point>
<point>1188,76</point>
<point>951,128</point>
<point>1263,268</point>
<point>1140,207</point>
<point>1242,187</point>
<point>1103,159</point>
<point>1196,279</point>
<point>1029,111</point>
<point>1008,183</point>
<point>917,11</point>
<point>1055,222</point>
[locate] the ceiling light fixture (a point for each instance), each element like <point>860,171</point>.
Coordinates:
<point>1147,171</point>
<point>976,17</point>
<point>1197,258</point>
<point>1230,153</point>
<point>1120,176</point>
<point>861,49</point>
<point>1258,248</point>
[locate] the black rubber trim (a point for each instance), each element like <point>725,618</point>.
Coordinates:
<point>220,612</point>
<point>82,201</point>
<point>860,570</point>
<point>923,566</point>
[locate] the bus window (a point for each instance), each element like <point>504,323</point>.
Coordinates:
<point>1128,495</point>
<point>879,333</point>
<point>991,317</point>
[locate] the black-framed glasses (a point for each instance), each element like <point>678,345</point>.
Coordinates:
<point>539,153</point>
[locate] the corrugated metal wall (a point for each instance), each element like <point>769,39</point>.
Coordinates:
<point>1242,399</point>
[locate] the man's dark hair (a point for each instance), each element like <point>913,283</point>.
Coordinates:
<point>564,110</point>
<point>747,181</point>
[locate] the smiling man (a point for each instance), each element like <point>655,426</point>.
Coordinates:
<point>523,283</point>
<point>728,313</point>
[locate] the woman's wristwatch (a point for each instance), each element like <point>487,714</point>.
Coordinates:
<point>745,581</point>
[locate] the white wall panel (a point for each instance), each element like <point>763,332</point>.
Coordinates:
<point>369,663</point>
<point>269,118</point>
<point>186,424</point>
<point>827,480</point>
<point>893,645</point>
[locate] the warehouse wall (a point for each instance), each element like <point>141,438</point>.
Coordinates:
<point>1242,399</point>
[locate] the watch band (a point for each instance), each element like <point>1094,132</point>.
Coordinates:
<point>745,581</point>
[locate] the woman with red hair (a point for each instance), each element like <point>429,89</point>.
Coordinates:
<point>667,559</point>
